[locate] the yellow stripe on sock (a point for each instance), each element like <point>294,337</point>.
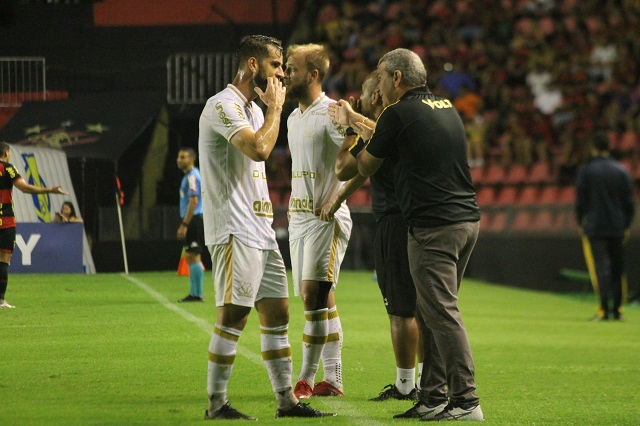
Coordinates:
<point>317,316</point>
<point>225,335</point>
<point>222,359</point>
<point>276,354</point>
<point>333,314</point>
<point>274,332</point>
<point>333,337</point>
<point>314,340</point>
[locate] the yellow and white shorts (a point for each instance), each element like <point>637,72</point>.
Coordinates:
<point>317,256</point>
<point>243,275</point>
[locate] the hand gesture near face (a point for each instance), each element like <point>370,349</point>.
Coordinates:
<point>275,94</point>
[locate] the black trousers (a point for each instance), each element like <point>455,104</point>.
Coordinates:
<point>608,258</point>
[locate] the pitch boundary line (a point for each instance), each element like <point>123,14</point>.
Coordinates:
<point>341,406</point>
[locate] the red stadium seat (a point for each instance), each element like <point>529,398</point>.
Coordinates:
<point>522,221</point>
<point>528,195</point>
<point>516,175</point>
<point>477,175</point>
<point>507,196</point>
<point>495,222</point>
<point>567,195</point>
<point>540,173</point>
<point>548,195</point>
<point>494,175</point>
<point>486,196</point>
<point>543,221</point>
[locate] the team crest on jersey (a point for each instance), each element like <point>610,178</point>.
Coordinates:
<point>41,202</point>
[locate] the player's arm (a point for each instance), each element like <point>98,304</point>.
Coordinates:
<point>258,145</point>
<point>346,165</point>
<point>382,143</point>
<point>186,220</point>
<point>329,209</point>
<point>31,189</point>
<point>368,164</point>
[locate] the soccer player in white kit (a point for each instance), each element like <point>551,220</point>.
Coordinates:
<point>317,247</point>
<point>234,141</point>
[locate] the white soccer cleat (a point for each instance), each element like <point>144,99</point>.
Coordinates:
<point>456,413</point>
<point>5,305</point>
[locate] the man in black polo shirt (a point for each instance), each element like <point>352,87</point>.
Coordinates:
<point>604,211</point>
<point>390,244</point>
<point>426,136</point>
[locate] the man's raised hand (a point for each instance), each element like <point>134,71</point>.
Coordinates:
<point>275,94</point>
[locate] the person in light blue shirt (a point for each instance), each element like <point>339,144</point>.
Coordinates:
<point>191,230</point>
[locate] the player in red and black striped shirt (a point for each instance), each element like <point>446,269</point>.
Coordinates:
<point>9,177</point>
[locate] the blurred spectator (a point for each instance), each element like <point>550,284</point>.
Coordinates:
<point>574,62</point>
<point>67,214</point>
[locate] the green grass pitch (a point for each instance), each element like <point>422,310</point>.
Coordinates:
<point>112,349</point>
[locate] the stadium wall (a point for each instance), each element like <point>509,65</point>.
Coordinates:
<point>538,262</point>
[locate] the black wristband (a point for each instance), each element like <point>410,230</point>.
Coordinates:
<point>185,224</point>
<point>350,131</point>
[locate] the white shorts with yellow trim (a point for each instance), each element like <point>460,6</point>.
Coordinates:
<point>243,275</point>
<point>317,256</point>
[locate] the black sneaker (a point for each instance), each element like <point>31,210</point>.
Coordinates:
<point>302,410</point>
<point>391,391</point>
<point>421,411</point>
<point>191,298</point>
<point>226,413</point>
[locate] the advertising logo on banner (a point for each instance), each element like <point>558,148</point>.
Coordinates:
<point>32,176</point>
<point>47,247</point>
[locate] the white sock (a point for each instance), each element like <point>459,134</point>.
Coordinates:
<point>332,352</point>
<point>222,354</point>
<point>314,338</point>
<point>405,379</point>
<point>276,353</point>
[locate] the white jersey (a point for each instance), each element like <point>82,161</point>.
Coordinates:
<point>314,142</point>
<point>235,197</point>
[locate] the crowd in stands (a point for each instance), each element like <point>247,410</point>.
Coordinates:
<point>532,79</point>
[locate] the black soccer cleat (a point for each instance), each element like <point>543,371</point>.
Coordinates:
<point>302,410</point>
<point>226,413</point>
<point>191,298</point>
<point>391,391</point>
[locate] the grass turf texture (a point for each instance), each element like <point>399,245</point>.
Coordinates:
<point>111,349</point>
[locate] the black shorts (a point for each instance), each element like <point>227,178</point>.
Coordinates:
<point>392,266</point>
<point>194,243</point>
<point>8,239</point>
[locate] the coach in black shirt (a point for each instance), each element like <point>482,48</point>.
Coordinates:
<point>426,136</point>
<point>604,210</point>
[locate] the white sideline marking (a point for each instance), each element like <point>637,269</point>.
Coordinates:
<point>202,324</point>
<point>335,404</point>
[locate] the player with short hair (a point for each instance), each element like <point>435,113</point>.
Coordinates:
<point>191,229</point>
<point>317,247</point>
<point>9,177</point>
<point>235,139</point>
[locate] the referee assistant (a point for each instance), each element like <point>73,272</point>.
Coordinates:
<point>438,202</point>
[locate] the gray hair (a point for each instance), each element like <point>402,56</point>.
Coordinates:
<point>414,73</point>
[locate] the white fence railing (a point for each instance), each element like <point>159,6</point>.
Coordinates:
<point>22,79</point>
<point>194,77</point>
